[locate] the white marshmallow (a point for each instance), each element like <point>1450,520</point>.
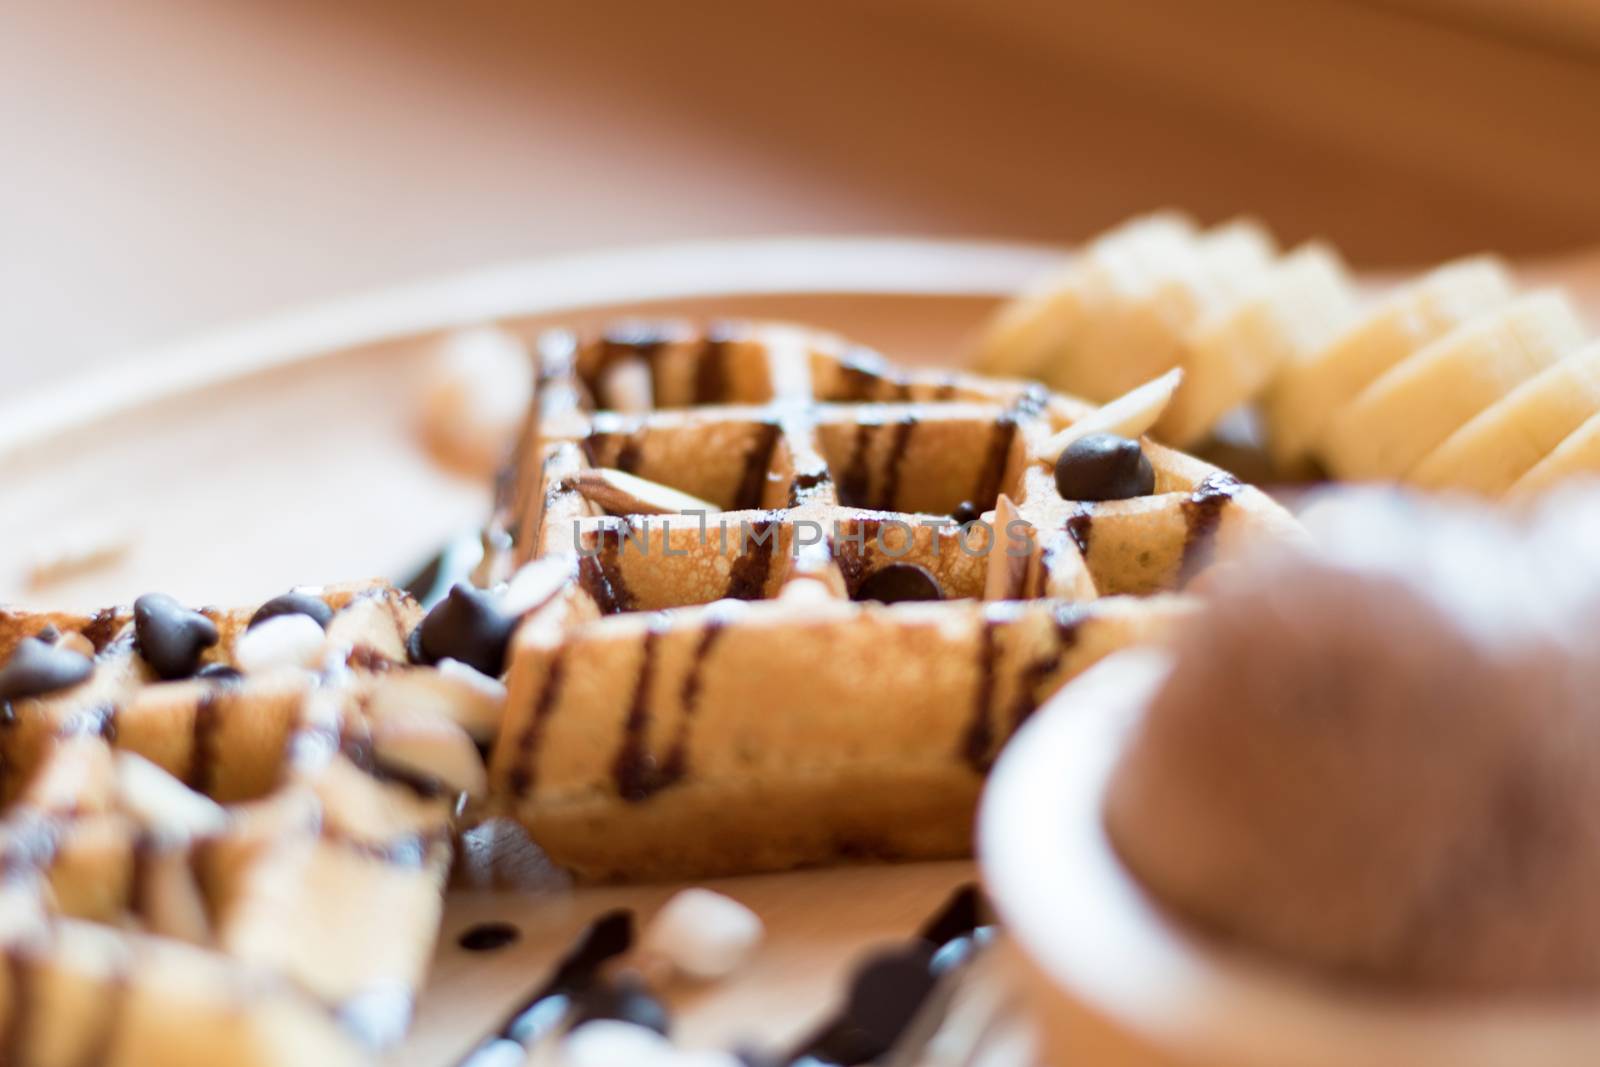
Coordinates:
<point>608,1043</point>
<point>281,641</point>
<point>704,935</point>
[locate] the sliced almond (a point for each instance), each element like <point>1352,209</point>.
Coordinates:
<point>431,747</point>
<point>621,493</point>
<point>162,803</point>
<point>367,622</point>
<point>1130,415</point>
<point>536,584</point>
<point>452,691</point>
<point>173,904</point>
<point>1010,560</point>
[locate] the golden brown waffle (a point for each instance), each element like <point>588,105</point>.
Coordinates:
<point>700,693</point>
<point>242,866</point>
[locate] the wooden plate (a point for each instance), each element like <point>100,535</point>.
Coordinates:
<point>284,453</point>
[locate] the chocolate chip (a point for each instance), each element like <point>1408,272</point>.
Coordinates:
<point>294,604</point>
<point>899,582</point>
<point>1103,466</point>
<point>966,512</point>
<point>626,999</point>
<point>36,668</point>
<point>468,626</point>
<point>169,636</point>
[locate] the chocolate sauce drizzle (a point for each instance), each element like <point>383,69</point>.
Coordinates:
<point>807,482</point>
<point>521,778</point>
<point>677,761</point>
<point>855,481</point>
<point>628,454</point>
<point>1080,525</point>
<point>102,628</point>
<point>896,461</point>
<point>756,463</point>
<point>711,369</point>
<point>600,573</point>
<point>1202,513</point>
<point>635,768</point>
<point>747,577</point>
<point>204,729</point>
<point>979,739</point>
<point>1068,619</point>
<point>994,462</point>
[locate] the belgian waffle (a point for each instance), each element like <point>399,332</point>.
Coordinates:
<point>241,865</point>
<point>708,691</point>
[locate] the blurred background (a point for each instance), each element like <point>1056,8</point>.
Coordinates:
<point>173,165</point>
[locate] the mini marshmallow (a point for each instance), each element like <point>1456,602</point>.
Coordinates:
<point>607,1043</point>
<point>281,641</point>
<point>704,935</point>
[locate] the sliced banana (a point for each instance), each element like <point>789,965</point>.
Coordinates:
<point>1307,393</point>
<point>1230,355</point>
<point>1577,456</point>
<point>1030,331</point>
<point>1136,331</point>
<point>1503,442</point>
<point>1130,415</point>
<point>1411,408</point>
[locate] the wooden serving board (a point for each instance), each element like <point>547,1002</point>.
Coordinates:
<point>286,453</point>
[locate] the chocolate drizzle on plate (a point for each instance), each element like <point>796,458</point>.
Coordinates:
<point>891,990</point>
<point>488,936</point>
<point>552,1003</point>
<point>1202,513</point>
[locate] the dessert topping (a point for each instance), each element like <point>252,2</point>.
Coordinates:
<point>36,668</point>
<point>169,636</point>
<point>293,603</point>
<point>899,582</point>
<point>1103,466</point>
<point>469,625</point>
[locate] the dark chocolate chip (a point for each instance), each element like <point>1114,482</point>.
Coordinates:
<point>169,636</point>
<point>1103,466</point>
<point>294,604</point>
<point>468,626</point>
<point>899,582</point>
<point>626,999</point>
<point>486,937</point>
<point>966,512</point>
<point>36,668</point>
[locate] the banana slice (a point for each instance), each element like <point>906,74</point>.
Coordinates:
<point>1030,331</point>
<point>1231,354</point>
<point>1307,393</point>
<point>1578,455</point>
<point>1138,330</point>
<point>1130,415</point>
<point>1411,408</point>
<point>1506,440</point>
